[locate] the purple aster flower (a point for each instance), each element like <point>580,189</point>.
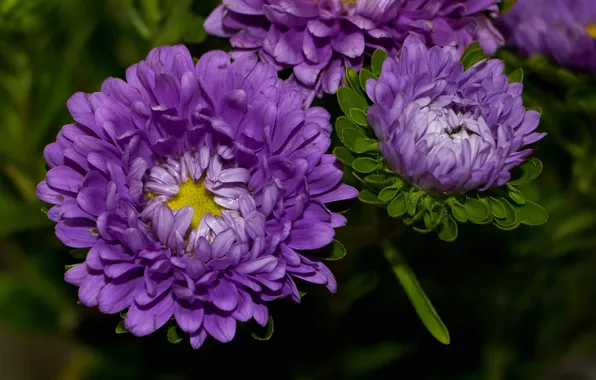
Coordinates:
<point>319,39</point>
<point>447,130</point>
<point>564,30</point>
<point>196,188</point>
<point>452,22</point>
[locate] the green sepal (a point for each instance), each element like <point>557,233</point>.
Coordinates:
<point>516,75</point>
<point>365,165</point>
<point>363,76</point>
<point>120,328</point>
<point>331,252</point>
<point>69,267</point>
<point>398,206</point>
<point>478,212</point>
<point>358,116</point>
<point>532,214</point>
<point>448,229</point>
<point>173,335</point>
<point>366,145</point>
<point>378,180</point>
<point>472,55</point>
<point>526,172</point>
<point>388,193</point>
<point>379,56</point>
<point>349,99</point>
<point>369,197</point>
<point>353,80</point>
<point>344,155</point>
<point>268,331</point>
<point>348,132</point>
<point>80,253</point>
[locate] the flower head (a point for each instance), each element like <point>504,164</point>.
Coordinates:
<point>319,39</point>
<point>447,130</point>
<point>564,30</point>
<point>196,188</point>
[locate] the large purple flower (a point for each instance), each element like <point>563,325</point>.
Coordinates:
<point>319,39</point>
<point>447,130</point>
<point>565,30</point>
<point>196,188</point>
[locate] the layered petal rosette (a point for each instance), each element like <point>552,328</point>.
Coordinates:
<point>564,30</point>
<point>445,129</point>
<point>451,137</point>
<point>197,189</point>
<point>318,40</point>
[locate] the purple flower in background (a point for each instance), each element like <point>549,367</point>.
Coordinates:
<point>452,22</point>
<point>447,130</point>
<point>564,30</point>
<point>319,39</point>
<point>196,188</point>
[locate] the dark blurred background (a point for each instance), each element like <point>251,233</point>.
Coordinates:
<point>518,304</point>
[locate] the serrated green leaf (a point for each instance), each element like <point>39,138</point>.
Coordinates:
<point>477,210</point>
<point>448,229</point>
<point>349,99</point>
<point>517,197</point>
<point>365,165</point>
<point>472,55</point>
<point>69,267</point>
<point>333,252</point>
<point>388,193</point>
<point>532,214</point>
<point>363,77</point>
<point>413,201</point>
<point>173,335</point>
<point>366,145</point>
<point>80,253</point>
<point>527,172</point>
<point>120,328</point>
<point>511,220</point>
<point>516,75</point>
<point>344,155</point>
<point>379,56</point>
<point>359,117</point>
<point>353,81</point>
<point>378,180</point>
<point>397,207</point>
<point>424,308</point>
<point>459,211</point>
<point>367,196</point>
<point>497,208</point>
<point>268,332</point>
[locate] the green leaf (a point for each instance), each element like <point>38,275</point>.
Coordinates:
<point>378,180</point>
<point>379,56</point>
<point>472,55</point>
<point>358,116</point>
<point>516,75</point>
<point>497,208</point>
<point>388,193</point>
<point>448,229</point>
<point>348,132</point>
<point>459,211</point>
<point>477,210</point>
<point>173,335</point>
<point>532,214</point>
<point>364,76</point>
<point>527,172</point>
<point>397,207</point>
<point>366,145</point>
<point>365,165</point>
<point>511,220</point>
<point>344,155</point>
<point>366,196</point>
<point>332,252</point>
<point>120,328</point>
<point>353,81</point>
<point>424,308</point>
<point>349,99</point>
<point>268,332</point>
<point>517,197</point>
<point>80,253</point>
<point>413,201</point>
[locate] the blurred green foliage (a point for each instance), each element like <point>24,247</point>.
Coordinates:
<point>518,304</point>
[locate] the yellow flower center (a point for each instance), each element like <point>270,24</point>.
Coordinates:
<point>196,196</point>
<point>591,30</point>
